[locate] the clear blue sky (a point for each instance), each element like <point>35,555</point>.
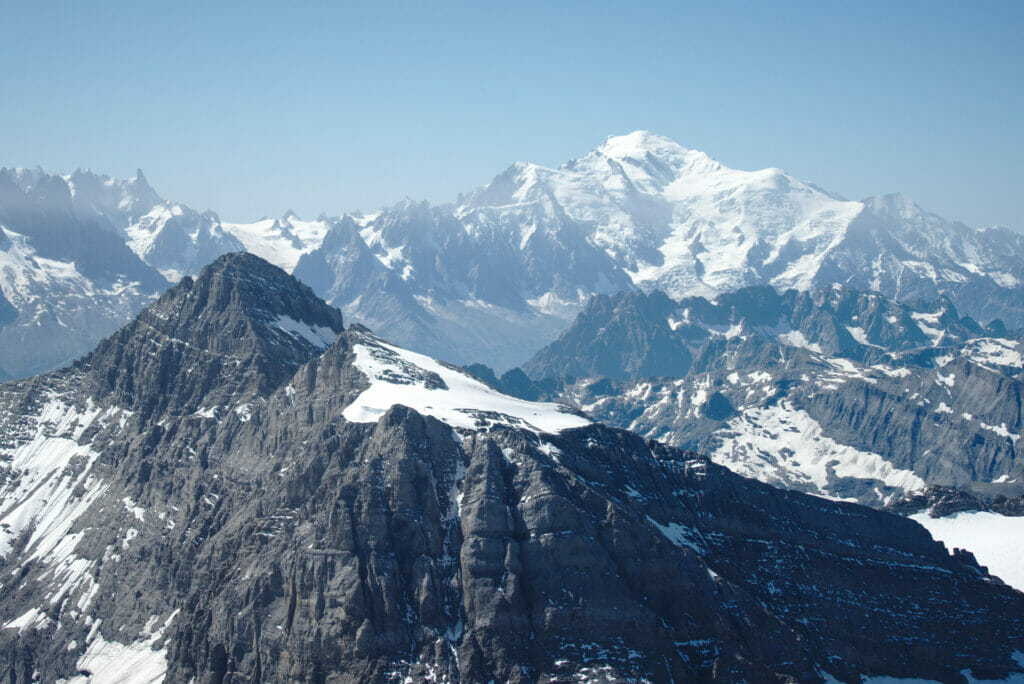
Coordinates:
<point>254,108</point>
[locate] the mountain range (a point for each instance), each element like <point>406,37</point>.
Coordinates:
<point>934,393</point>
<point>493,275</point>
<point>866,352</point>
<point>499,273</point>
<point>236,487</point>
<point>66,280</point>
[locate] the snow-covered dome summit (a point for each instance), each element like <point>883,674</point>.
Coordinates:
<point>645,146</point>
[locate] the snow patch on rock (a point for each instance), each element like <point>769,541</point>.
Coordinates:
<point>111,662</point>
<point>784,446</point>
<point>320,336</point>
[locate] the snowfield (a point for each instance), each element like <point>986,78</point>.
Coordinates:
<point>282,241</point>
<point>997,541</point>
<point>399,376</point>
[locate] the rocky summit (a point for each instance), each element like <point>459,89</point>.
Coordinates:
<point>232,488</point>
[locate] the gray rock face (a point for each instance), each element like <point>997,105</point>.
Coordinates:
<point>613,338</point>
<point>631,335</point>
<point>239,331</point>
<point>145,515</point>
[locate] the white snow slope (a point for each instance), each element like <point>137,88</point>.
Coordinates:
<point>784,446</point>
<point>997,541</point>
<point>280,241</point>
<point>56,485</point>
<point>401,377</point>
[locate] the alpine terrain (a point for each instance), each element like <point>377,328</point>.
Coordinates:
<point>835,392</point>
<point>82,254</point>
<point>499,273</point>
<point>65,281</point>
<point>504,270</point>
<point>235,488</point>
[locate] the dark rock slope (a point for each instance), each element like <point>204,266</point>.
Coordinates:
<point>191,502</point>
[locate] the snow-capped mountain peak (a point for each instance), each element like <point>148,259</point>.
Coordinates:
<point>641,211</point>
<point>644,147</point>
<point>673,218</point>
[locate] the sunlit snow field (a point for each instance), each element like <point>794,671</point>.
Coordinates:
<point>995,540</point>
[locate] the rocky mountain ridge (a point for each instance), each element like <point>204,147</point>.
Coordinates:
<point>630,335</point>
<point>217,493</point>
<point>834,392</point>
